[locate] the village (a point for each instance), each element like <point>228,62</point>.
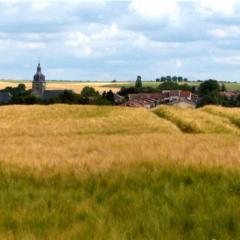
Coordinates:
<point>172,94</point>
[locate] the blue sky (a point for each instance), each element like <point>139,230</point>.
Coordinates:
<point>106,40</point>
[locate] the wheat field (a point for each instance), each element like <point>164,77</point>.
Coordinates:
<point>94,172</point>
<point>96,137</point>
<point>58,85</point>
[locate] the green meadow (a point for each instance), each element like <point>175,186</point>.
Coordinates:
<point>229,86</point>
<point>148,201</point>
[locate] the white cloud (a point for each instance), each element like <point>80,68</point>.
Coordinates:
<point>227,32</point>
<point>31,45</point>
<point>76,38</point>
<point>108,32</point>
<point>155,9</point>
<point>88,51</point>
<point>179,63</point>
<point>231,60</point>
<point>223,7</point>
<point>156,37</point>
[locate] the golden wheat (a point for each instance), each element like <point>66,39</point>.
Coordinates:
<point>197,120</point>
<point>62,138</point>
<point>76,87</point>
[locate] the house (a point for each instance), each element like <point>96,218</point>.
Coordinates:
<point>183,103</point>
<point>176,95</point>
<point>50,94</point>
<point>146,100</point>
<point>5,97</point>
<point>230,94</point>
<point>146,103</point>
<point>171,97</point>
<point>137,96</point>
<point>118,98</point>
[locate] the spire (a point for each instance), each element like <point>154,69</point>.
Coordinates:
<point>39,69</point>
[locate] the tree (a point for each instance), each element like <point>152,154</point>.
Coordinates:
<point>89,92</point>
<point>30,99</point>
<point>157,79</point>
<point>169,85</point>
<point>169,78</point>
<point>21,88</point>
<point>175,79</point>
<point>68,97</point>
<point>163,79</point>
<point>223,87</point>
<point>193,90</point>
<point>212,98</point>
<point>104,94</point>
<point>180,79</point>
<point>209,92</point>
<point>124,91</point>
<point>89,96</point>
<point>209,86</point>
<point>185,80</point>
<point>138,83</point>
<point>110,96</point>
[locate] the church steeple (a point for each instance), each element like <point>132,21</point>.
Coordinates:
<point>39,69</point>
<point>38,84</point>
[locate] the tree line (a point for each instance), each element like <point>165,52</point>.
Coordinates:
<point>171,78</point>
<point>209,92</point>
<point>88,95</point>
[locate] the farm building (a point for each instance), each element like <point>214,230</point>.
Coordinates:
<point>230,94</point>
<point>5,97</point>
<point>171,97</point>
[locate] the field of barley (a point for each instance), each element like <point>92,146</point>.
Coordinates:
<point>94,172</point>
<point>61,85</point>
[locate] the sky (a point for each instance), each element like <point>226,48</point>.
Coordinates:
<point>106,40</point>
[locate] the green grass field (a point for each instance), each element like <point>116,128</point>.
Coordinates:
<point>93,172</point>
<point>229,86</point>
<point>145,201</point>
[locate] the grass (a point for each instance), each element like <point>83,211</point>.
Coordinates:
<point>144,202</point>
<point>229,86</point>
<point>89,172</point>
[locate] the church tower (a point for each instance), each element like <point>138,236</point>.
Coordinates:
<point>39,83</point>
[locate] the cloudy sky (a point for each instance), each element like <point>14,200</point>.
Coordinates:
<point>106,40</point>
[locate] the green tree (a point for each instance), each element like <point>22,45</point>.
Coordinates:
<point>209,86</point>
<point>169,78</point>
<point>21,88</point>
<point>223,87</point>
<point>89,92</point>
<point>169,85</point>
<point>68,96</point>
<point>110,96</point>
<point>212,98</point>
<point>163,79</point>
<point>138,83</point>
<point>175,79</point>
<point>180,79</point>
